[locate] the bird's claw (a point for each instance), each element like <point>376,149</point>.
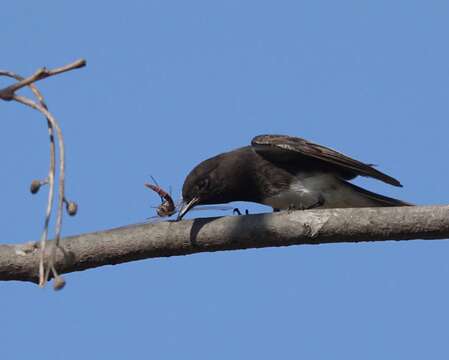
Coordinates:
<point>237,212</point>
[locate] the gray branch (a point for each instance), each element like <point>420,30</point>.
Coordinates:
<point>150,240</point>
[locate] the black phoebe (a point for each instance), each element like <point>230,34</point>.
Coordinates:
<point>283,172</point>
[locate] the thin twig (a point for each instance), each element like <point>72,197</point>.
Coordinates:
<point>8,92</point>
<point>33,87</point>
<point>61,197</point>
<point>50,180</point>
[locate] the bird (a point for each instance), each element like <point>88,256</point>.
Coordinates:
<point>284,172</point>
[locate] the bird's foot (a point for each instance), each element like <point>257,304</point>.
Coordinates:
<point>319,203</point>
<point>315,205</point>
<point>290,208</point>
<point>237,212</point>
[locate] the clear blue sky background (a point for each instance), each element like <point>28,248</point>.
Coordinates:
<point>170,83</point>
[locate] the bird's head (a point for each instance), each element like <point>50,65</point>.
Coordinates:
<point>219,180</point>
<point>206,184</point>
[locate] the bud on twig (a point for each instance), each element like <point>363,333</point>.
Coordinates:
<point>71,207</point>
<point>35,186</point>
<point>58,282</point>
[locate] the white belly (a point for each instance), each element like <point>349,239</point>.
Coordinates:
<point>306,192</point>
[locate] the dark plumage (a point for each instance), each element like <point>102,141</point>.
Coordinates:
<point>284,172</point>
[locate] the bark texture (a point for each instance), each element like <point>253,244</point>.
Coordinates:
<point>171,238</point>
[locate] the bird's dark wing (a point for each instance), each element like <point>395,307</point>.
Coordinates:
<point>282,148</point>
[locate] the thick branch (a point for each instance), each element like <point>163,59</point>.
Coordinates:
<point>135,242</point>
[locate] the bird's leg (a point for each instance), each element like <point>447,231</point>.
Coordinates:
<point>290,208</point>
<point>237,211</point>
<point>319,202</point>
<point>293,207</point>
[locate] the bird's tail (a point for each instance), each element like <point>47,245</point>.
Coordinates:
<point>373,199</point>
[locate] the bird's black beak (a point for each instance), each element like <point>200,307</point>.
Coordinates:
<point>186,207</point>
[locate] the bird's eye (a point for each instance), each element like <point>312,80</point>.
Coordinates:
<point>203,183</point>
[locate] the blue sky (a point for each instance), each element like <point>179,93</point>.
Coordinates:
<point>170,83</point>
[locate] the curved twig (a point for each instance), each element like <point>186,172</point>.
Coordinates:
<point>59,209</point>
<point>8,94</point>
<point>50,180</point>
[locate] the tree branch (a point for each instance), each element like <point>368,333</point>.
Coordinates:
<point>142,241</point>
<point>42,73</point>
<point>8,94</point>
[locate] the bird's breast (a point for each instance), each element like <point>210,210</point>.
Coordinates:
<point>307,190</point>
